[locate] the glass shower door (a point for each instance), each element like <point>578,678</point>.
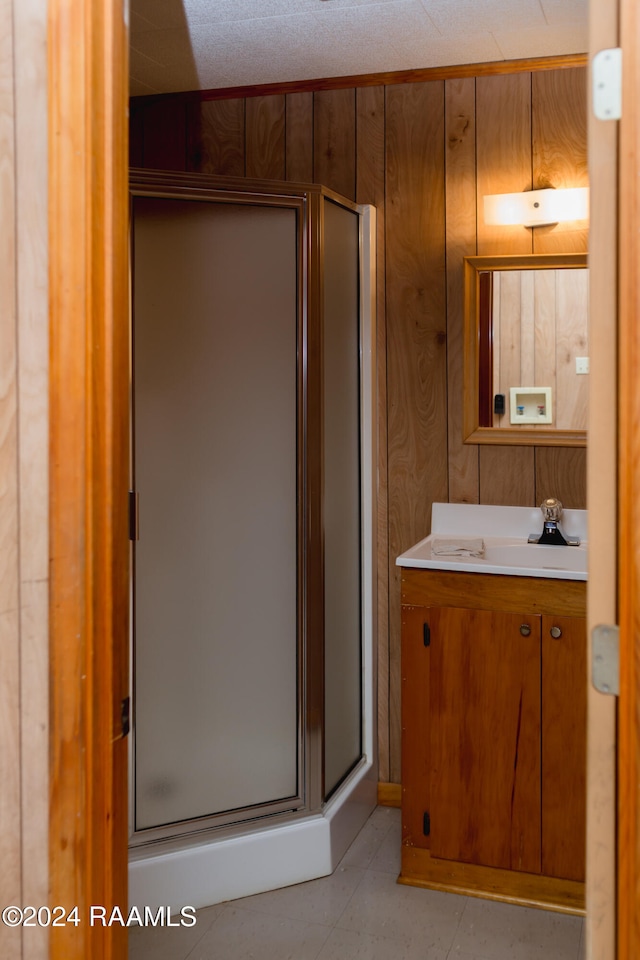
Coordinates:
<point>341,496</point>
<point>216,649</point>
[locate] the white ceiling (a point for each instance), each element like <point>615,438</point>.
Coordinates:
<point>202,44</point>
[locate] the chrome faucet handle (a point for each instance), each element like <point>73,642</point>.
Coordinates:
<point>551,532</point>
<point>551,509</point>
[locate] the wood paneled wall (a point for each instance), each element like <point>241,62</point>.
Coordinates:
<point>24,596</point>
<point>425,154</point>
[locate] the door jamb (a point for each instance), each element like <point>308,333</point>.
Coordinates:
<point>89,363</point>
<point>629,492</point>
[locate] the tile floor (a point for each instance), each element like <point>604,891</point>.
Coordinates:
<point>360,913</point>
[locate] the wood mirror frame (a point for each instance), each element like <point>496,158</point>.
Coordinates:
<point>476,345</point>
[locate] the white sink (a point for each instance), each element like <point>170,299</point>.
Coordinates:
<point>536,556</point>
<point>504,531</point>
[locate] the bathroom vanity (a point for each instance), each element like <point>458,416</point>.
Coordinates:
<point>494,688</point>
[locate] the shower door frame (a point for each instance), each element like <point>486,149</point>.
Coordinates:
<point>307,201</point>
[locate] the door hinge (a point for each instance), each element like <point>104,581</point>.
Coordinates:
<point>426,824</point>
<point>124,716</point>
<point>605,659</point>
<point>426,634</point>
<point>607,84</point>
<point>134,502</point>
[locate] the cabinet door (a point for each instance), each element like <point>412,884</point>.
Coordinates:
<point>485,738</point>
<point>564,722</point>
<point>415,724</point>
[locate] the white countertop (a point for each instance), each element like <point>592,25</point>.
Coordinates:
<point>505,531</point>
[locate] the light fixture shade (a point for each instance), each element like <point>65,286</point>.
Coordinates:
<point>535,208</point>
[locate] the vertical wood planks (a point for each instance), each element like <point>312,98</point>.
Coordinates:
<point>10,759</point>
<point>265,137</point>
<point>299,137</point>
<point>503,120</point>
<point>510,333</point>
<point>506,476</point>
<point>334,140</point>
<point>164,134</point>
<point>370,188</point>
<point>460,187</point>
<point>136,137</point>
<point>30,32</point>
<point>544,348</point>
<point>216,137</point>
<point>559,116</point>
<point>527,340</point>
<point>559,124</point>
<point>564,742</point>
<point>571,342</point>
<point>561,473</point>
<point>416,337</point>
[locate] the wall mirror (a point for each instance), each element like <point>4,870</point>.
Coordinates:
<point>526,349</point>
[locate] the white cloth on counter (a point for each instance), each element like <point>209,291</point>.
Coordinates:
<point>457,547</point>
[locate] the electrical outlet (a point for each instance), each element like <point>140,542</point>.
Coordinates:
<point>582,364</point>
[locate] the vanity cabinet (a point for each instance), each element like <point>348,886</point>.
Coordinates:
<point>494,735</point>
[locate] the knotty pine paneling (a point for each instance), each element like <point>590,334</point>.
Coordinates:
<point>416,338</point>
<point>425,154</point>
<point>265,151</point>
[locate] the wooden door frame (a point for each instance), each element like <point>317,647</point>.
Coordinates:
<point>88,55</point>
<point>629,491</point>
<point>602,502</point>
<point>89,399</point>
<point>613,832</point>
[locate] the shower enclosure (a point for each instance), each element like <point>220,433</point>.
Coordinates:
<point>253,488</point>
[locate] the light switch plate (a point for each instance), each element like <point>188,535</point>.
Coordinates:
<point>582,364</point>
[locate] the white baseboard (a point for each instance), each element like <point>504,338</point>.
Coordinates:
<point>259,860</point>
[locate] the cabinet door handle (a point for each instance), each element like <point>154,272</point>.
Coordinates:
<point>555,632</point>
<point>525,630</point>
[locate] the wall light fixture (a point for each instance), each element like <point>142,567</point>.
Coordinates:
<point>537,208</point>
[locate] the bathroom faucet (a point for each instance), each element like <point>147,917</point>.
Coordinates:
<point>551,532</point>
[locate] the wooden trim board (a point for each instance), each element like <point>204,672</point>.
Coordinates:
<point>389,794</point>
<point>420,869</point>
<point>494,68</point>
<point>89,471</point>
<point>628,497</point>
